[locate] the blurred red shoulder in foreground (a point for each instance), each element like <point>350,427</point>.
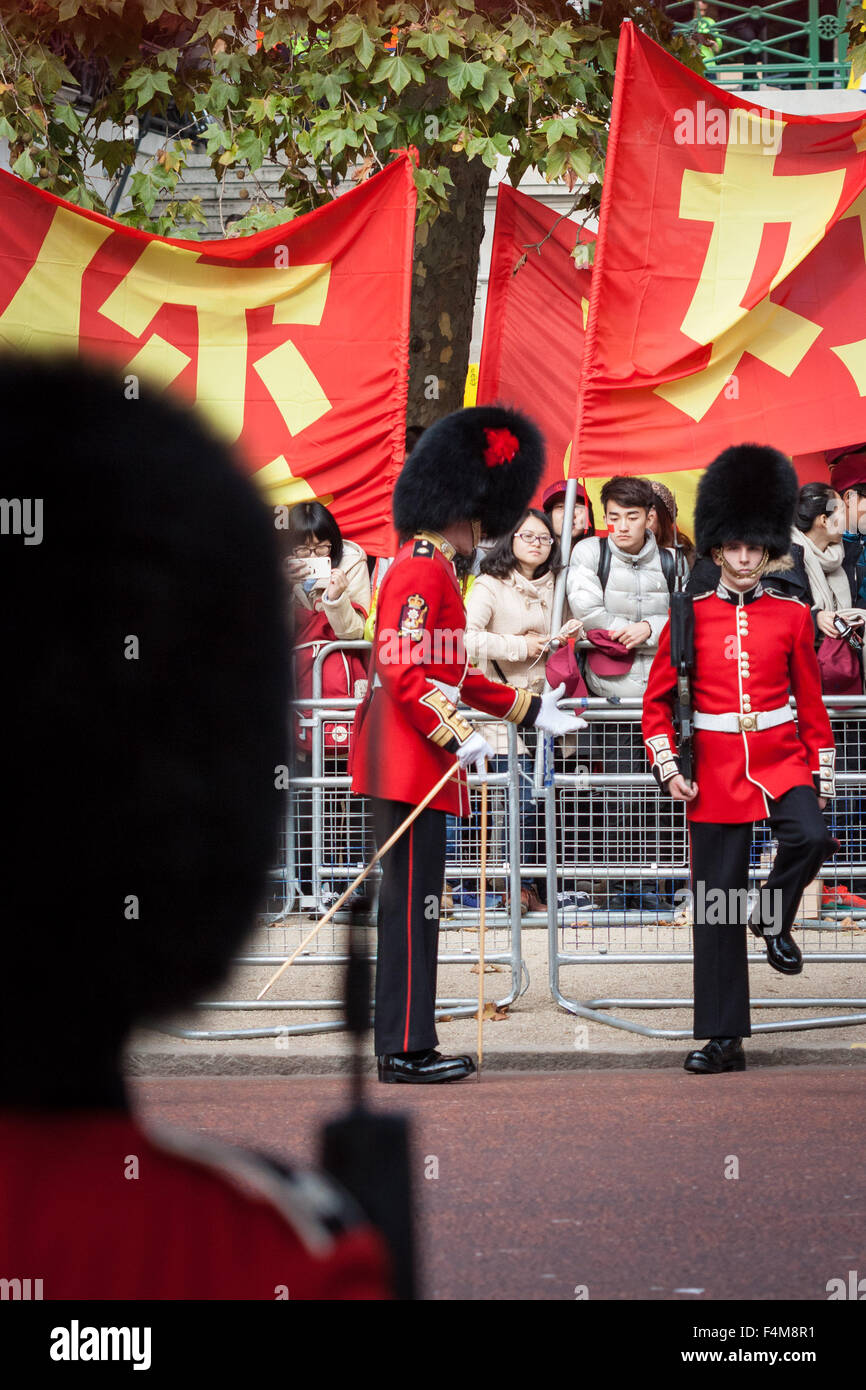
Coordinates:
<point>97,1206</point>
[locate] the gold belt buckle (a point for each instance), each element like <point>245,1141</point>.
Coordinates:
<point>748,723</point>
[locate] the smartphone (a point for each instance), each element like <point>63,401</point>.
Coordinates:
<point>319,567</point>
<point>847,633</point>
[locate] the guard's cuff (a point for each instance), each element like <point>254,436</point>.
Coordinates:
<point>452,728</point>
<point>525,712</point>
<point>664,782</point>
<point>664,763</point>
<point>825,776</point>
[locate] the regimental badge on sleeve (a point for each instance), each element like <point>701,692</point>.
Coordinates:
<point>413,617</point>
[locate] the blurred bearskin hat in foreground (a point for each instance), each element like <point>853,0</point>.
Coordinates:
<point>480,464</point>
<point>144,704</point>
<point>747,494</point>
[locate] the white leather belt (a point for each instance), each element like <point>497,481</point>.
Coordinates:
<point>744,723</point>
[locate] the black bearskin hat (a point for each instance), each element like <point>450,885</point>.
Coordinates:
<point>747,494</point>
<point>144,700</point>
<point>480,464</point>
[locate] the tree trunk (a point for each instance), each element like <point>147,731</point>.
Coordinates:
<point>444,278</point>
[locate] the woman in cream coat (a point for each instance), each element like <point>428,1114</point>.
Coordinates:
<point>508,616</point>
<point>343,598</point>
<point>314,532</point>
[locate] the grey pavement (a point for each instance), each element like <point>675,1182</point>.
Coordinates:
<point>534,1033</point>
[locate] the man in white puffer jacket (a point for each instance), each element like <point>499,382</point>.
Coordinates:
<point>632,606</point>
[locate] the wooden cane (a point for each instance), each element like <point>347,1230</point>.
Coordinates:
<point>335,907</point>
<point>482,926</point>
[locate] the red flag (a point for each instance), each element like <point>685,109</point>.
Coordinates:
<point>294,341</point>
<point>729,277</point>
<point>537,300</point>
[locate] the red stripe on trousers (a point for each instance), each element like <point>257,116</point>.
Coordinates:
<point>409,942</point>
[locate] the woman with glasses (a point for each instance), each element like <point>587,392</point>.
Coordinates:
<point>508,617</point>
<point>328,574</point>
<point>329,596</point>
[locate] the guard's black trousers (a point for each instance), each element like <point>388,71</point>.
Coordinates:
<point>720,860</point>
<point>408,927</point>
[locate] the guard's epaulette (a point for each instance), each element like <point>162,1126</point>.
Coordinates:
<point>786,598</point>
<point>708,593</point>
<point>318,1209</point>
<point>425,549</point>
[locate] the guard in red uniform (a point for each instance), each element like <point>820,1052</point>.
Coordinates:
<point>147,650</point>
<point>753,650</point>
<point>473,472</point>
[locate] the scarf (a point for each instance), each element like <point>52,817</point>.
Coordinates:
<point>827,579</point>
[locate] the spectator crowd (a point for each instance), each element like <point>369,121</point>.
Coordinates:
<point>619,578</point>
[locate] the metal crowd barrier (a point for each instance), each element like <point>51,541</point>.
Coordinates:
<point>625,867</point>
<point>327,839</point>
<point>583,819</point>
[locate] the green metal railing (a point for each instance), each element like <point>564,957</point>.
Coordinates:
<point>793,43</point>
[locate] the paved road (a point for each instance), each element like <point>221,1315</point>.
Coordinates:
<point>615,1181</point>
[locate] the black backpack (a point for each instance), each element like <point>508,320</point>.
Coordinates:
<point>669,567</point>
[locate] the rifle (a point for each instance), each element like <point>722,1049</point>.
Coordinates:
<point>683,659</point>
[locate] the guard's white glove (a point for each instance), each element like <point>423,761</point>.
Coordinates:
<point>553,720</point>
<point>475,750</point>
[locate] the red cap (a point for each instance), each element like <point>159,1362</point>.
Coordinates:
<point>611,658</point>
<point>556,490</point>
<point>847,466</point>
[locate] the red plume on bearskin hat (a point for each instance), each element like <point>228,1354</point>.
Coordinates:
<point>748,494</point>
<point>480,464</point>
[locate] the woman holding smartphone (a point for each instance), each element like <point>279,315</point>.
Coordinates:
<point>328,574</point>
<point>329,597</point>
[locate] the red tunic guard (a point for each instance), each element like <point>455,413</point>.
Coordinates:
<point>752,651</point>
<point>473,472</point>
<point>751,655</point>
<point>195,1220</point>
<point>409,728</point>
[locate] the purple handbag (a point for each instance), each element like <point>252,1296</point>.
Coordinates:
<point>841,673</point>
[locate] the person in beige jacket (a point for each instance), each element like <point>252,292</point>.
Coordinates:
<point>312,540</point>
<point>313,534</point>
<point>508,617</point>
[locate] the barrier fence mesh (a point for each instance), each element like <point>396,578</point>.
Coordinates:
<point>597,856</point>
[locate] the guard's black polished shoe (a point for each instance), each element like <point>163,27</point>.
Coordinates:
<point>719,1054</point>
<point>783,954</point>
<point>431,1067</point>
